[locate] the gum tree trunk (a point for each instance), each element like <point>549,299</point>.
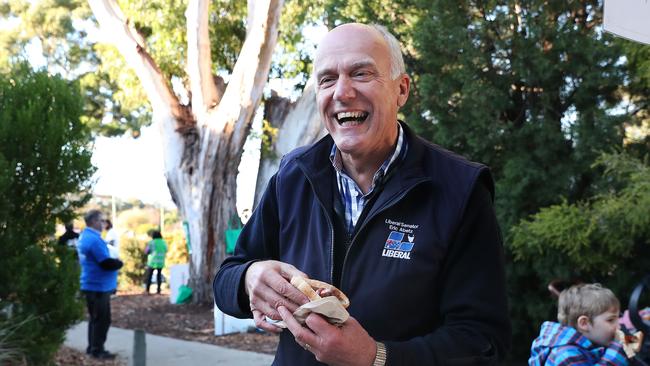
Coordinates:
<point>202,143</point>
<point>295,124</point>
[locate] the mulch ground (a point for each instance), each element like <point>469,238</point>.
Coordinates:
<point>154,314</point>
<point>69,357</point>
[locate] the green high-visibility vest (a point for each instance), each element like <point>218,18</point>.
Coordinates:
<point>157,252</point>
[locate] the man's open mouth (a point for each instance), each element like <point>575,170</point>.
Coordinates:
<point>351,118</point>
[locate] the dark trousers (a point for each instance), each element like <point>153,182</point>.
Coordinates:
<point>148,276</point>
<point>99,319</point>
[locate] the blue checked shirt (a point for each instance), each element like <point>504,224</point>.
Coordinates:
<point>559,345</point>
<point>352,196</point>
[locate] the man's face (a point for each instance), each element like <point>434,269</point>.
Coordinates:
<point>98,223</point>
<point>602,329</point>
<point>356,97</point>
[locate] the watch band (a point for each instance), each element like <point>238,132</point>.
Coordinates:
<point>380,357</point>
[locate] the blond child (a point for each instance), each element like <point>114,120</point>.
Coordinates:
<point>588,321</point>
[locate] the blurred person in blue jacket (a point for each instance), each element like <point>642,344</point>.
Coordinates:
<point>98,282</point>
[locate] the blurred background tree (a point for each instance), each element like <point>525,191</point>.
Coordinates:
<point>64,34</point>
<point>45,175</point>
<point>536,91</point>
<point>591,239</point>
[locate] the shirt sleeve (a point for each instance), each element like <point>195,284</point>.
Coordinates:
<point>99,250</point>
<point>475,328</point>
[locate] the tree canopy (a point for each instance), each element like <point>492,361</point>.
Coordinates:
<point>613,227</point>
<point>536,91</point>
<point>114,100</point>
<point>45,174</point>
<point>529,89</point>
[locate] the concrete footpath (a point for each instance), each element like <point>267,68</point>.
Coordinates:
<point>165,351</point>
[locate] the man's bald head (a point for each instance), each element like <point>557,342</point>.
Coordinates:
<point>383,35</point>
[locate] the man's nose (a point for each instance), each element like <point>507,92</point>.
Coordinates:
<point>344,89</point>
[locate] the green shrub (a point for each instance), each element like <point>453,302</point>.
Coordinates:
<point>132,254</point>
<point>44,170</point>
<point>603,240</point>
<point>10,353</point>
<point>176,248</point>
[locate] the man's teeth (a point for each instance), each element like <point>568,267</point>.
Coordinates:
<point>351,116</point>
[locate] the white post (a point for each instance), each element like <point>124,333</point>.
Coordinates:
<point>113,210</point>
<point>162,218</point>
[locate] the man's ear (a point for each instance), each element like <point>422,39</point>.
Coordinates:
<point>584,323</point>
<point>404,88</point>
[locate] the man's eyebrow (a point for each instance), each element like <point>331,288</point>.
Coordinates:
<point>353,66</point>
<point>363,63</point>
<point>321,73</point>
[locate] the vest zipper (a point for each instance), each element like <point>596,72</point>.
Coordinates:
<point>363,225</point>
<point>330,226</point>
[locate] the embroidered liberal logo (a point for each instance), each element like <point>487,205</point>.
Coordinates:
<point>396,248</point>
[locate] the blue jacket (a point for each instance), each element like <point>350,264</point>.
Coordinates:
<point>559,345</point>
<point>92,250</point>
<point>424,271</point>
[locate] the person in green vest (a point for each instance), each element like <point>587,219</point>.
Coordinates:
<point>156,250</point>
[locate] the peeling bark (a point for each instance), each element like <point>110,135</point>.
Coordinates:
<point>298,124</point>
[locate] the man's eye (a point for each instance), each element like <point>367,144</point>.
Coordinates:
<point>362,74</point>
<point>325,81</point>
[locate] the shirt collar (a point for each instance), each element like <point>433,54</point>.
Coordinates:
<point>94,230</point>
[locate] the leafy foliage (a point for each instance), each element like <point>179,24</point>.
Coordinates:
<point>295,59</point>
<point>530,89</point>
<point>607,227</point>
<point>638,91</point>
<point>534,90</point>
<point>10,354</point>
<point>48,24</point>
<point>135,261</point>
<point>603,239</point>
<point>177,248</point>
<point>114,100</point>
<point>44,171</point>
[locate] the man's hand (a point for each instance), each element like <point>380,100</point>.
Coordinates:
<point>267,286</point>
<point>346,345</point>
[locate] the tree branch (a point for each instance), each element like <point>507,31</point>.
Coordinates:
<point>131,45</point>
<point>247,81</point>
<point>250,16</point>
<point>205,94</point>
